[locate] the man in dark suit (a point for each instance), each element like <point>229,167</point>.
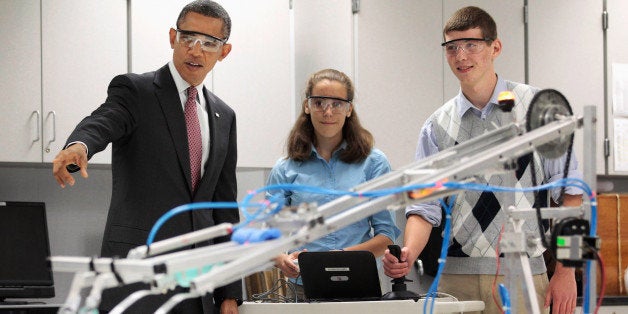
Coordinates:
<point>146,119</point>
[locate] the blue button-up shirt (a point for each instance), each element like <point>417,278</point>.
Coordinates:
<point>335,175</point>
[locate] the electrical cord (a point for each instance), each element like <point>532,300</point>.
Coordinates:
<point>274,290</point>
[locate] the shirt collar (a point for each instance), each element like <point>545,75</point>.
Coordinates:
<point>465,105</point>
<point>181,84</point>
<point>342,146</point>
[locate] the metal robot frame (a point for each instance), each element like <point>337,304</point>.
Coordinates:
<point>202,270</point>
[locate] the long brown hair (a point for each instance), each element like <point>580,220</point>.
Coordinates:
<point>302,136</point>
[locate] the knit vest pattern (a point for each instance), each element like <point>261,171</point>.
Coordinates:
<point>478,216</point>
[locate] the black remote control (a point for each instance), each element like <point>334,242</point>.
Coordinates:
<point>72,168</point>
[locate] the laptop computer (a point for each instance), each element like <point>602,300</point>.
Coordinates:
<point>25,270</point>
<point>339,276</point>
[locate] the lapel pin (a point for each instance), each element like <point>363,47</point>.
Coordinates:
<point>217,115</point>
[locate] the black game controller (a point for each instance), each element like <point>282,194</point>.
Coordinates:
<point>399,288</point>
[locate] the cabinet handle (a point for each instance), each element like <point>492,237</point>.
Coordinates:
<point>54,129</point>
<point>37,124</point>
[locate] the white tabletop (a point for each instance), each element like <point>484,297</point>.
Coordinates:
<point>365,307</point>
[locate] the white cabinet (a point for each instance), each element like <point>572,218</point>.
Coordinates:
<point>566,53</point>
<point>56,69</point>
<point>84,45</point>
<point>256,79</point>
<point>323,38</point>
<point>617,78</point>
<point>399,72</point>
<point>59,57</point>
<point>20,81</point>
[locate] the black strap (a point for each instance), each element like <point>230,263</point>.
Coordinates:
<point>114,271</point>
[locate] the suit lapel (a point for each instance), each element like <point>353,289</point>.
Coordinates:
<point>170,103</point>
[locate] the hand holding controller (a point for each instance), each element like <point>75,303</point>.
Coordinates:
<point>399,289</point>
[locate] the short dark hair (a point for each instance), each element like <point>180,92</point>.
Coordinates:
<point>211,9</point>
<point>472,17</point>
<point>302,136</point>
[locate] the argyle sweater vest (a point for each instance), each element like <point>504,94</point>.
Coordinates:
<point>478,216</point>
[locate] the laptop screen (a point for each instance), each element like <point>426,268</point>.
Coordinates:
<point>24,250</point>
<point>339,276</point>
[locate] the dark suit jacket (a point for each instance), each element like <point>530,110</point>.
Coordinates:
<point>143,119</point>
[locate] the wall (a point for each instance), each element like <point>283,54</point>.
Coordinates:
<point>76,215</point>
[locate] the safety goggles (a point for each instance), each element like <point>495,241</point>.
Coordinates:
<point>468,45</point>
<point>322,103</point>
<point>208,43</point>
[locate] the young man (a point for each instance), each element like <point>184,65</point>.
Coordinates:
<point>471,45</point>
<point>174,143</point>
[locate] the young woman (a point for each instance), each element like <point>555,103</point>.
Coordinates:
<point>328,148</point>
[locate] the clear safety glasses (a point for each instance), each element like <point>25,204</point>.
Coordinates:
<point>468,45</point>
<point>208,43</point>
<point>322,103</point>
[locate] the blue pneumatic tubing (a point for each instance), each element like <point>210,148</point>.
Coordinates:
<point>252,235</point>
<point>184,208</point>
<point>503,293</point>
<point>432,291</point>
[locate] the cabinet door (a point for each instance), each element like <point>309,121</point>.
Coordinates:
<point>20,81</point>
<point>566,49</point>
<point>399,73</point>
<point>617,86</point>
<point>324,37</point>
<point>256,78</point>
<point>84,44</point>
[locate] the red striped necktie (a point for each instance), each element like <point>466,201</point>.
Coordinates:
<point>195,143</point>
